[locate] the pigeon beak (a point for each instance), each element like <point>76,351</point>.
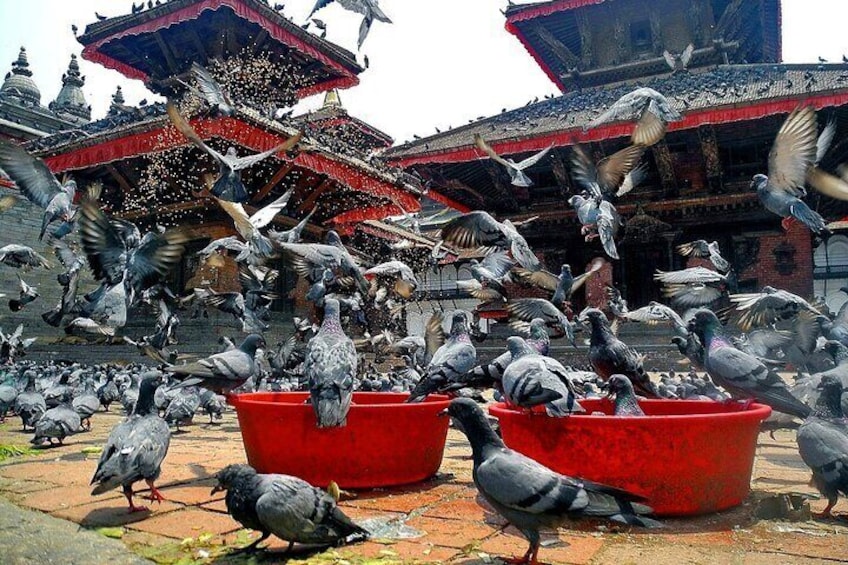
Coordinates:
<point>217,489</point>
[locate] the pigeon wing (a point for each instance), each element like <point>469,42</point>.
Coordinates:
<point>475,229</point>
<point>184,128</point>
<point>250,160</point>
<point>533,159</point>
<point>103,246</point>
<point>30,174</point>
<point>613,169</point>
<point>486,148</point>
<point>794,150</point>
<point>264,216</point>
<point>210,88</point>
<point>543,279</point>
<point>155,257</point>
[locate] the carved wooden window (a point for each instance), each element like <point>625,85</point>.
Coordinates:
<point>640,37</point>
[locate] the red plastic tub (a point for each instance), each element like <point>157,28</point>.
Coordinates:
<point>385,441</point>
<point>684,457</point>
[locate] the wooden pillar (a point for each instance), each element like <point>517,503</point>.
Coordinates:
<point>665,166</point>
<point>712,161</point>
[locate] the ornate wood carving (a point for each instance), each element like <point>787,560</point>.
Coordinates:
<point>561,174</point>
<point>712,162</point>
<point>585,30</point>
<point>665,166</point>
<point>622,42</point>
<point>656,33</point>
<point>563,53</point>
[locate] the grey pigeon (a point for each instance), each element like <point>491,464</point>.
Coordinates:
<point>181,408</point>
<point>479,229</point>
<point>286,506</point>
<point>135,448</point>
<point>450,363</point>
<point>29,404</point>
<point>694,287</point>
<point>742,375</point>
<point>791,165</point>
<point>515,170</point>
<point>18,256</point>
<point>370,9</point>
<point>527,309</point>
<point>531,496</point>
<point>768,306</point>
<point>38,184</point>
<point>652,110</point>
<point>599,218</point>
<point>330,365</point>
<point>625,402</point>
<point>611,356</point>
<point>209,90</point>
<point>711,251</point>
<point>228,185</point>
<point>311,259</point>
<point>221,372</point>
<point>563,285</point>
<point>57,423</point>
<point>823,443</point>
<point>27,294</point>
<point>86,404</point>
<point>531,380</point>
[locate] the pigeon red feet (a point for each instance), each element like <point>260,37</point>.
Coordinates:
<point>787,222</point>
<point>154,495</point>
<point>528,558</point>
<point>133,508</point>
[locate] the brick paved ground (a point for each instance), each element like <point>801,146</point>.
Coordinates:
<point>193,526</point>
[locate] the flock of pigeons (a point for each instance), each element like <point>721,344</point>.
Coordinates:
<point>776,329</point>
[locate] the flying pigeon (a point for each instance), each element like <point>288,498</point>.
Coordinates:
<point>21,256</point>
<point>741,374</point>
<point>652,110</point>
<point>526,309</point>
<point>823,443</point>
<point>792,163</point>
<point>228,184</point>
<point>208,89</point>
<point>286,506</point>
<point>27,294</point>
<point>564,285</point>
<point>531,496</point>
<point>531,380</point>
<point>136,448</point>
<point>515,170</point>
<point>368,8</point>
<point>598,218</point>
<point>311,259</point>
<point>330,367</point>
<point>38,184</point>
<point>479,229</point>
<point>221,372</point>
<point>611,356</point>
<point>679,62</point>
<point>769,306</point>
<point>700,248</point>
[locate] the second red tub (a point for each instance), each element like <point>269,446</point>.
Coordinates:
<point>684,457</point>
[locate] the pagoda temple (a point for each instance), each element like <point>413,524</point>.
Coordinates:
<point>734,94</point>
<point>151,174</point>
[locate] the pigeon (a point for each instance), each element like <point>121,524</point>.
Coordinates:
<point>27,294</point>
<point>625,402</point>
<point>119,255</point>
<point>611,356</point>
<point>479,229</point>
<point>221,372</point>
<point>700,248</point>
<point>58,423</point>
<point>405,281</point>
<point>823,443</point>
<point>564,285</point>
<point>181,408</point>
<point>228,184</point>
<point>679,62</point>
<point>135,448</point>
<point>38,184</point>
<point>248,226</point>
<point>769,306</point>
<point>694,287</point>
<point>292,235</point>
<point>286,506</point>
<point>310,260</point>
<point>741,374</point>
<point>86,404</point>
<point>515,170</point>
<point>208,89</point>
<point>21,256</point>
<point>655,313</point>
<point>29,404</point>
<point>531,380</point>
<point>368,8</point>
<point>598,218</point>
<point>491,272</point>
<point>613,176</point>
<point>791,164</point>
<point>330,366</point>
<point>652,109</point>
<point>526,309</point>
<point>450,363</point>
<point>531,496</point>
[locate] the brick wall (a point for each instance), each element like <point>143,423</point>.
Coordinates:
<point>765,270</point>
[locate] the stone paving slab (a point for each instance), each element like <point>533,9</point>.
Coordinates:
<point>455,526</point>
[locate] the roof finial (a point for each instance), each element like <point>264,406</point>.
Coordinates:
<point>19,83</point>
<point>70,102</point>
<point>332,99</point>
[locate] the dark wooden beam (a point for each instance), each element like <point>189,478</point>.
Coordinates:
<point>563,53</point>
<point>120,179</point>
<point>505,190</point>
<point>198,44</point>
<point>260,40</point>
<point>313,196</point>
<point>166,51</point>
<point>275,180</point>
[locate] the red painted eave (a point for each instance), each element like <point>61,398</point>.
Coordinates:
<point>234,131</point>
<point>93,53</point>
<point>570,136</point>
<point>539,10</point>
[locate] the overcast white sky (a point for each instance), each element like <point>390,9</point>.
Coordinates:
<point>441,63</point>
